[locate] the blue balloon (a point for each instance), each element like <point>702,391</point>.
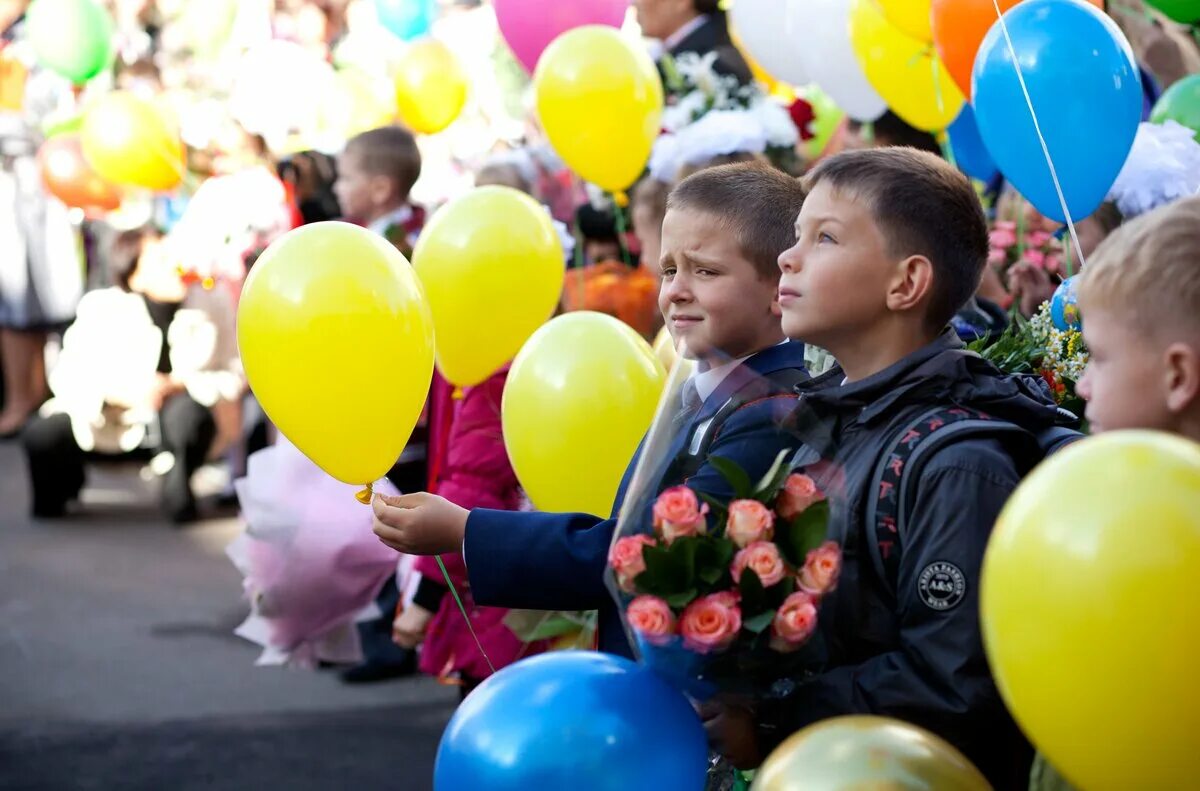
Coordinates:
<point>1087,92</point>
<point>1064,306</point>
<point>575,720</point>
<point>407,19</point>
<point>970,154</point>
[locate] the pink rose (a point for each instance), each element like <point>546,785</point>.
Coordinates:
<point>710,624</point>
<point>799,492</point>
<point>794,622</point>
<point>749,521</point>
<point>678,513</point>
<point>1002,238</point>
<point>729,598</point>
<point>651,617</point>
<point>1038,238</point>
<point>627,561</point>
<point>997,256</point>
<point>1005,225</point>
<point>1035,257</point>
<point>821,568</point>
<point>764,559</point>
<point>1052,264</point>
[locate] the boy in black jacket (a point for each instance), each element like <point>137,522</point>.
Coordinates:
<point>890,243</point>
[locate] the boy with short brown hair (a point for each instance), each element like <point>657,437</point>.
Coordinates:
<point>1140,299</point>
<point>922,443</point>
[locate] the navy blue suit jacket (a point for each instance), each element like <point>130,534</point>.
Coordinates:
<point>551,561</point>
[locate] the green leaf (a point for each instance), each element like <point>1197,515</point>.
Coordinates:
<point>768,486</point>
<point>807,532</point>
<point>683,555</point>
<point>662,576</point>
<point>735,475</point>
<point>681,600</point>
<point>759,622</point>
<point>712,560</point>
<point>753,595</point>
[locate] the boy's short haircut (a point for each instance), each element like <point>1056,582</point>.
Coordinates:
<point>754,201</point>
<point>1149,268</point>
<point>923,206</point>
<point>717,159</point>
<point>389,151</point>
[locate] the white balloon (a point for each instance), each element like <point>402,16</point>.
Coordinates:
<point>762,27</point>
<point>820,32</point>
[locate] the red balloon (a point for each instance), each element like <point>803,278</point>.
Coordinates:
<point>71,179</point>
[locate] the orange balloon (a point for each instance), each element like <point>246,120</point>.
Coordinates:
<point>70,178</point>
<point>958,29</point>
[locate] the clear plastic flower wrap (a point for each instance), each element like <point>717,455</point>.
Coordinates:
<point>720,565</point>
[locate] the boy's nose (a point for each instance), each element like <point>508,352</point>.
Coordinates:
<point>789,260</point>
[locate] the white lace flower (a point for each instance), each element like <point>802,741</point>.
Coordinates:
<point>1163,166</point>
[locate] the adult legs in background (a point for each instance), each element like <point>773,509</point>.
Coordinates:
<point>55,464</point>
<point>382,658</point>
<point>188,430</point>
<point>24,363</point>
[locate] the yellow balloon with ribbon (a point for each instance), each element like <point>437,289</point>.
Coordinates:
<point>866,752</point>
<point>599,99</point>
<point>492,267</point>
<point>912,17</point>
<point>431,86</point>
<point>579,398</point>
<point>130,141</point>
<point>906,71</point>
<point>1090,615</point>
<point>337,342</point>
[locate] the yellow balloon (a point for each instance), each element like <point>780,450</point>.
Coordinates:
<point>863,752</point>
<point>431,86</point>
<point>337,342</point>
<point>911,17</point>
<point>354,105</point>
<point>128,140</point>
<point>579,398</point>
<point>906,71</point>
<point>492,267</point>
<point>1091,618</point>
<point>600,100</point>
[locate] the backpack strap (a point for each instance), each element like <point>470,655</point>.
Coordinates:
<point>891,481</point>
<point>773,385</point>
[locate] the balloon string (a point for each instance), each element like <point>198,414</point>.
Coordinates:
<point>620,201</point>
<point>463,610</point>
<point>1037,128</point>
<point>937,79</point>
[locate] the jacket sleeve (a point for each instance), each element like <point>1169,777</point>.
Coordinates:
<point>939,677</point>
<point>477,472</point>
<point>557,561</point>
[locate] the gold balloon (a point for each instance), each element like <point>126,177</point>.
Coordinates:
<point>128,140</point>
<point>906,71</point>
<point>431,86</point>
<point>1091,617</point>
<point>579,398</point>
<point>600,100</point>
<point>492,267</point>
<point>853,753</point>
<point>337,343</point>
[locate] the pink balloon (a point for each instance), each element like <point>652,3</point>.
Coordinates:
<point>530,25</point>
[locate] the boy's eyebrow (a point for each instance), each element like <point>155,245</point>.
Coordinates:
<point>696,259</point>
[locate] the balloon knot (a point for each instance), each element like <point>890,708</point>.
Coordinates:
<point>457,395</point>
<point>620,198</point>
<point>364,495</point>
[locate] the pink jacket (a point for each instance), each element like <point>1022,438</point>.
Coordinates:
<point>468,465</point>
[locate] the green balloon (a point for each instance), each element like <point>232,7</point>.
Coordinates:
<point>1185,11</point>
<point>71,37</point>
<point>1180,103</point>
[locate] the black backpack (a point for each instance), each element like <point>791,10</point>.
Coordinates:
<point>892,493</point>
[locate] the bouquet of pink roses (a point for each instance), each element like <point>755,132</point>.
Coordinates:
<point>1010,245</point>
<point>726,593</point>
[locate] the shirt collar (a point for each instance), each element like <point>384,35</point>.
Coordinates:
<point>397,216</point>
<point>675,39</point>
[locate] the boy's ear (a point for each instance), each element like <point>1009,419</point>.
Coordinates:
<point>911,284</point>
<point>1182,371</point>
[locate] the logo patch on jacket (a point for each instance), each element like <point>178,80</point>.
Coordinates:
<point>941,585</point>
